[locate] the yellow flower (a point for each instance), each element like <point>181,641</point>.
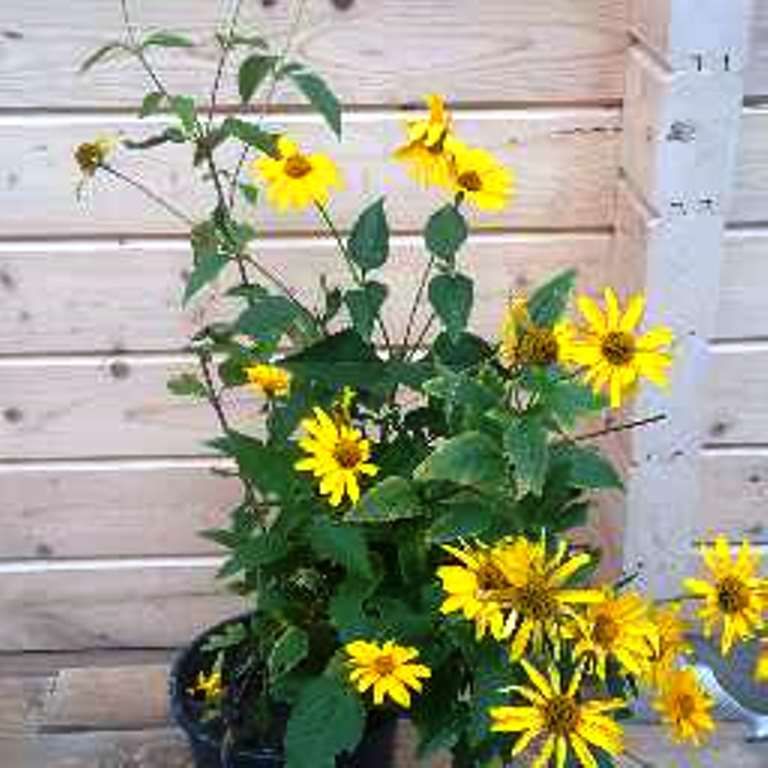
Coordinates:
<point>478,177</point>
<point>91,155</point>
<point>735,595</point>
<point>425,154</point>
<point>293,179</point>
<point>561,718</point>
<point>614,354</point>
<point>338,454</point>
<point>619,627</point>
<point>523,342</point>
<point>209,685</point>
<point>389,668</point>
<point>671,628</point>
<point>271,380</point>
<point>684,707</point>
<point>761,668</point>
<point>468,587</point>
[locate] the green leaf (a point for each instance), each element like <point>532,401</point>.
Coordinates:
<point>152,103</point>
<point>253,72</point>
<point>186,384</point>
<point>463,520</point>
<point>167,40</point>
<point>525,442</point>
<point>209,262</point>
<point>184,108</point>
<point>103,54</point>
<point>587,468</point>
<point>251,135</point>
<point>467,351</point>
<point>460,389</point>
<point>326,720</point>
<point>289,651</point>
<point>343,544</point>
<point>230,636</point>
<point>169,135</point>
<point>471,458</point>
<point>369,240</point>
<point>445,233</point>
<point>548,303</point>
<point>451,297</point>
<point>346,610</point>
<point>394,498</point>
<point>570,399</point>
<point>268,319</point>
<point>250,193</point>
<point>364,305</point>
<point>321,97</point>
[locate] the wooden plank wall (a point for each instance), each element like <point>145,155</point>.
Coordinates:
<point>103,478</point>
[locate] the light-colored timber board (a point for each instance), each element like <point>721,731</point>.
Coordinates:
<point>127,296</point>
<point>113,509</point>
<point>119,717</point>
<point>749,199</point>
<point>565,161</point>
<point>756,76</point>
<point>390,51</point>
<point>129,605</point>
<point>93,406</point>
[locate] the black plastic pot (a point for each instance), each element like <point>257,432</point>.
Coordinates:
<point>205,739</point>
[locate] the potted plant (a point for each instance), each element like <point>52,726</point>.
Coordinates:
<point>402,544</point>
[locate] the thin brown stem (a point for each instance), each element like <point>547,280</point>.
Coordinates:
<point>226,47</point>
<point>423,335</point>
<point>150,193</point>
<point>621,427</point>
<point>416,302</point>
<point>138,52</point>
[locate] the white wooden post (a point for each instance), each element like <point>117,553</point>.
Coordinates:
<point>683,101</point>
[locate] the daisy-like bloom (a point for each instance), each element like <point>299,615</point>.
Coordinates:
<point>269,379</point>
<point>522,342</point>
<point>425,154</point>
<point>294,179</point>
<point>684,707</point>
<point>735,595</point>
<point>388,668</point>
<point>559,716</point>
<point>478,177</point>
<point>619,627</point>
<point>91,155</point>
<point>761,668</point>
<point>338,455</point>
<point>468,587</point>
<point>210,686</point>
<point>537,599</point>
<point>671,628</point>
<point>615,355</point>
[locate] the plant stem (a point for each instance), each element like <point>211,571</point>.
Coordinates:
<point>424,331</point>
<point>150,193</point>
<point>416,301</point>
<point>225,50</point>
<point>138,52</point>
<point>621,427</point>
<point>356,276</point>
<point>675,599</point>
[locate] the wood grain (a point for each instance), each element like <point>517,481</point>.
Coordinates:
<point>126,296</point>
<point>565,161</point>
<point>749,201</point>
<point>390,51</point>
<point>113,509</point>
<point>756,77</point>
<point>125,607</point>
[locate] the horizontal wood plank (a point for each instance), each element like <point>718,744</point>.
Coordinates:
<point>123,607</point>
<point>749,198</point>
<point>742,309</point>
<point>565,161</point>
<point>756,76</point>
<point>390,51</point>
<point>126,296</point>
<point>737,395</point>
<point>115,509</point>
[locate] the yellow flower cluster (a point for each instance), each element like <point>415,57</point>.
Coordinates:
<point>606,346</point>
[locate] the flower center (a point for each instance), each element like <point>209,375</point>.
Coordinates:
<point>89,157</point>
<point>490,578</point>
<point>686,706</point>
<point>562,715</point>
<point>297,166</point>
<point>347,453</point>
<point>384,665</point>
<point>538,347</point>
<point>471,181</point>
<point>732,595</point>
<point>618,347</point>
<point>535,599</point>
<point>605,631</point>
